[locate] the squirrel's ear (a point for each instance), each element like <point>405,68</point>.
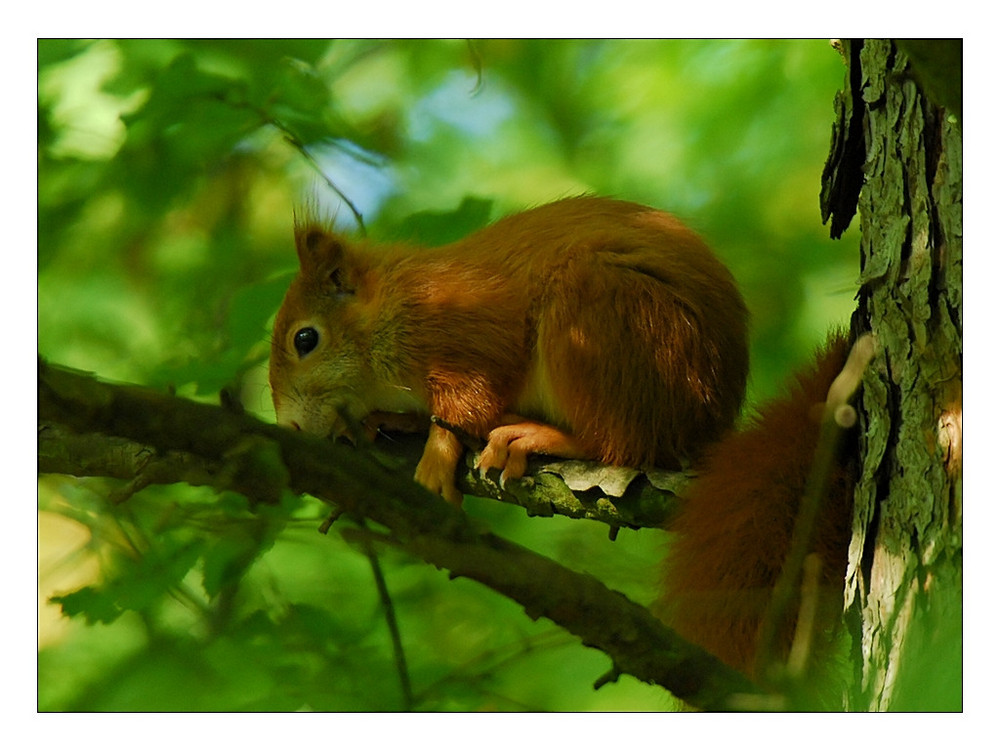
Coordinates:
<point>315,241</point>
<point>321,255</point>
<point>317,246</point>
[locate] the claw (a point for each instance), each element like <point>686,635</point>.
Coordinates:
<point>509,446</point>
<point>436,469</point>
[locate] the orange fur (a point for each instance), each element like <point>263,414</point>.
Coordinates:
<point>735,527</point>
<point>608,320</point>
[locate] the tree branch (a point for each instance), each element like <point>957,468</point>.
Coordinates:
<point>156,437</point>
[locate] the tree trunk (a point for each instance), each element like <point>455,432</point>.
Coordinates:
<point>897,157</point>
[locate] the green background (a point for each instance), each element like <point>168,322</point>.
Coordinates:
<point>168,172</point>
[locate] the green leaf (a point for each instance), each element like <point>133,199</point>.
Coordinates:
<point>227,558</point>
<point>94,604</point>
<point>139,586</point>
<point>440,228</point>
<point>251,308</point>
<point>245,343</point>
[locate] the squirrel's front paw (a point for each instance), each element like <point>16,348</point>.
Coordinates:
<point>436,469</point>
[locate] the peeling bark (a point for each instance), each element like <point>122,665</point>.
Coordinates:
<point>904,577</point>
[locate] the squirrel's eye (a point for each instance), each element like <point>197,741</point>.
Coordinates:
<point>306,340</point>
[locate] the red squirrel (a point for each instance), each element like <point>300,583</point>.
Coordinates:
<point>585,328</point>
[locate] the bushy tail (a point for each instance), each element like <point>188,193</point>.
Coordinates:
<point>735,528</point>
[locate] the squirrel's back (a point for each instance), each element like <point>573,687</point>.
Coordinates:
<point>639,329</point>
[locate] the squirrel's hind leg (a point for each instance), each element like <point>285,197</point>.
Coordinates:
<point>508,446</point>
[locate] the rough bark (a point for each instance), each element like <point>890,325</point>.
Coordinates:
<point>904,583</point>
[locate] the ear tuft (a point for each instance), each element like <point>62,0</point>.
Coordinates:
<point>318,248</point>
<point>312,239</point>
<point>323,254</point>
<point>323,257</point>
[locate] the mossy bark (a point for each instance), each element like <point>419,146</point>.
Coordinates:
<point>904,582</point>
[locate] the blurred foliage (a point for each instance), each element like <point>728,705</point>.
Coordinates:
<point>168,173</point>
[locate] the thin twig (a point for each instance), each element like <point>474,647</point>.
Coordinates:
<point>837,416</point>
<point>299,146</point>
<point>399,655</point>
<point>295,142</point>
<point>805,624</point>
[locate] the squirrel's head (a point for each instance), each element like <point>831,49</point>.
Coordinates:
<point>318,371</point>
